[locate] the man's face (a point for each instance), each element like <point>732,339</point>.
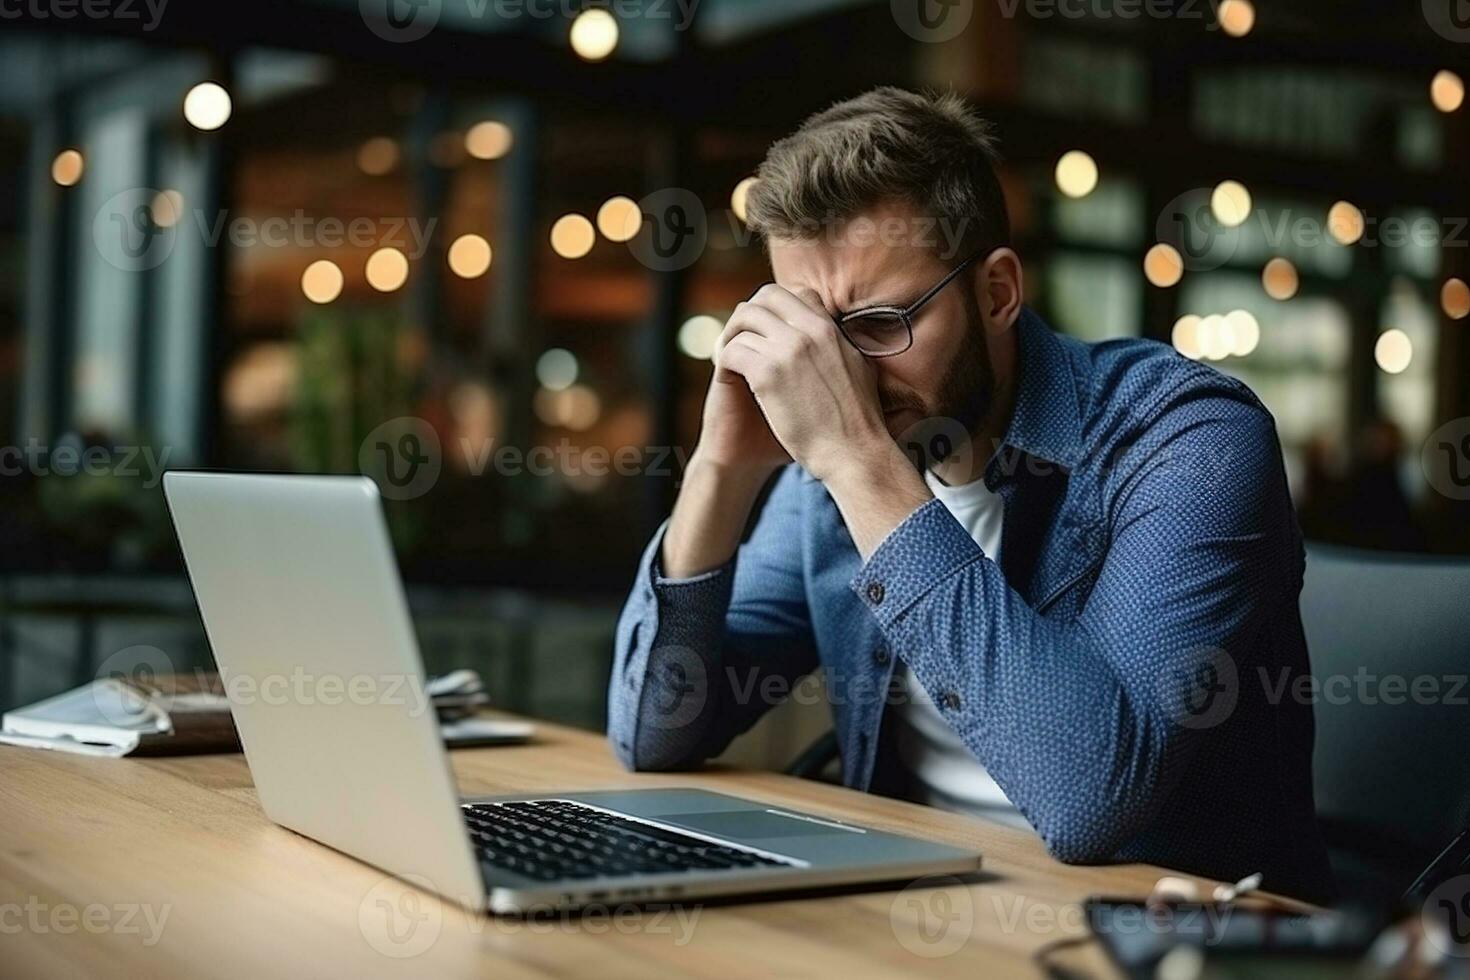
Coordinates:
<point>947,373</point>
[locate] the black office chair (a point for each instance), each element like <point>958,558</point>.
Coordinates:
<point>815,761</point>
<point>1392,786</point>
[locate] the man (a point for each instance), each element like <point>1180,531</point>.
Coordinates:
<point>1067,612</point>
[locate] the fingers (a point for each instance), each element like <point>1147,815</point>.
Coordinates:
<point>794,326</point>
<point>746,355</point>
<point>750,318</point>
<point>812,300</point>
<point>740,354</point>
<point>775,330</point>
<point>805,312</point>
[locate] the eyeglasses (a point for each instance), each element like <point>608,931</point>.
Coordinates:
<point>883,331</point>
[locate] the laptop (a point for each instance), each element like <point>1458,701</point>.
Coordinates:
<point>304,609</point>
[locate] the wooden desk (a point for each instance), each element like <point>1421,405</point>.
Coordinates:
<point>167,867</point>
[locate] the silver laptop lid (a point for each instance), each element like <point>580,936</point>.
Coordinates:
<point>304,609</point>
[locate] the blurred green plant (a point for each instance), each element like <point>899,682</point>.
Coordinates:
<point>111,511</point>
<point>356,370</point>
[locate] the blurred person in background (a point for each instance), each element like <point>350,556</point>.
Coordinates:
<point>1040,576</point>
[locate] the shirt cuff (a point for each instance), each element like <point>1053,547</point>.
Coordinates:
<point>656,578</point>
<point>704,595</point>
<point>660,582</point>
<point>927,547</point>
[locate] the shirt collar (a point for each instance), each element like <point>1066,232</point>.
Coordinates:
<point>1046,421</point>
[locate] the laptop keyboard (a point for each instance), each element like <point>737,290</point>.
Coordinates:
<point>552,840</point>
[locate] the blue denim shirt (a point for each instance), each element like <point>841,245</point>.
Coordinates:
<point>1124,673</point>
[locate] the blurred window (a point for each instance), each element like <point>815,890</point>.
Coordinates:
<point>1078,78</point>
<point>1094,297</point>
<point>1111,215</point>
<point>1299,366</point>
<point>1408,395</point>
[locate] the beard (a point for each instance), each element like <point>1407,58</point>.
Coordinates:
<point>959,404</point>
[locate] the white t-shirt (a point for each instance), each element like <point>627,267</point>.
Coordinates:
<point>945,772</point>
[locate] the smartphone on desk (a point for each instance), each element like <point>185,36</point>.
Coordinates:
<point>1138,935</point>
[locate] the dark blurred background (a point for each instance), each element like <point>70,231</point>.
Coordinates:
<point>288,235</point>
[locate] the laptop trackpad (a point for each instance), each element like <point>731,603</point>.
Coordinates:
<point>749,823</point>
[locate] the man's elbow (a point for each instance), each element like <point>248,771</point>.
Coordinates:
<point>1077,844</point>
<point>1089,832</point>
<point>653,755</point>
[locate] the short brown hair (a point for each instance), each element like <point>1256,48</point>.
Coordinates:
<point>930,151</point>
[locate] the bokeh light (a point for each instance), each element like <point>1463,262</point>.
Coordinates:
<point>1076,174</point>
<point>1230,203</point>
<point>1393,351</point>
<point>577,408</point>
<point>1345,223</point>
<point>739,195</point>
<point>469,256</point>
<point>1447,91</point>
<point>572,236</point>
<point>1243,331</point>
<point>1236,17</point>
<point>67,168</point>
<point>322,281</point>
<point>387,270</point>
<point>1280,279</point>
<point>1163,265</point>
<point>619,218</point>
<point>377,156</point>
<point>557,369</point>
<point>1216,337</point>
<point>488,140</point>
<point>166,208</point>
<point>698,335</point>
<point>594,34</point>
<point>207,106</point>
<point>1454,298</point>
<point>1186,336</point>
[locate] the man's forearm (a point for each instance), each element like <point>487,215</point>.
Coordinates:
<point>709,517</point>
<point>874,492</point>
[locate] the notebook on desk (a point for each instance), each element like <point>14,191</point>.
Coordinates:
<point>117,717</point>
<point>183,714</point>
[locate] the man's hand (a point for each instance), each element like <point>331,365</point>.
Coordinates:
<point>736,455</point>
<point>816,391</point>
<point>733,433</point>
<point>820,396</point>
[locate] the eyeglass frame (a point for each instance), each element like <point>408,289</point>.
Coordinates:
<point>904,314</point>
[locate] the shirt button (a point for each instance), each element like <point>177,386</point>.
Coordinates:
<point>875,592</point>
<point>880,657</point>
<point>949,701</point>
